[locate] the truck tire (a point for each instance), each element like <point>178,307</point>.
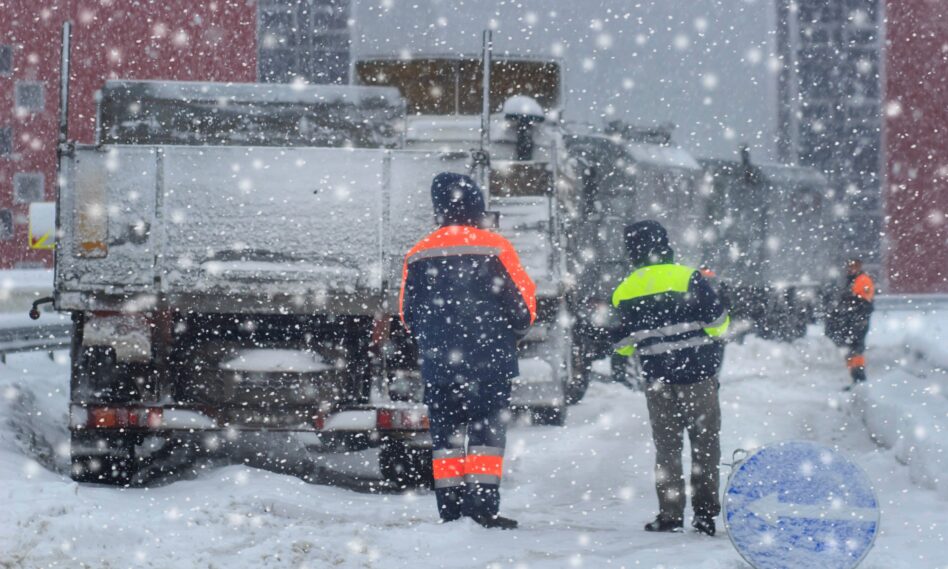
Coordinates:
<point>405,467</point>
<point>578,382</point>
<point>550,416</point>
<point>117,464</point>
<point>576,387</point>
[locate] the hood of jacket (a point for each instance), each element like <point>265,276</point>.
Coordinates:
<point>647,244</point>
<point>457,200</point>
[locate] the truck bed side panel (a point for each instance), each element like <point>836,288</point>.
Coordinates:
<point>250,221</point>
<point>107,221</point>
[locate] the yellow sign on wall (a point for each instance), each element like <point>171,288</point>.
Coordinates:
<point>42,225</point>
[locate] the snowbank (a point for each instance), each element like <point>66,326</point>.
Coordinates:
<point>905,408</point>
<point>20,287</point>
<point>910,419</point>
<point>16,279</point>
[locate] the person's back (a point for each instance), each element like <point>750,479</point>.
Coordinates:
<point>669,313</point>
<point>464,306</point>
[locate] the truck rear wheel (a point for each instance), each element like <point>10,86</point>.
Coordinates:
<point>551,416</point>
<point>405,467</point>
<point>578,382</point>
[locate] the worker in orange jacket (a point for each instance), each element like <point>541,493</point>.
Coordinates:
<point>466,300</point>
<point>848,323</point>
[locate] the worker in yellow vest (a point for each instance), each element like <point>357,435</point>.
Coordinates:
<point>671,318</point>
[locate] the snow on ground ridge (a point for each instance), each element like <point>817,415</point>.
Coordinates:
<point>581,492</point>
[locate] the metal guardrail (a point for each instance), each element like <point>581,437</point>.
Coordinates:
<point>912,302</point>
<point>34,338</point>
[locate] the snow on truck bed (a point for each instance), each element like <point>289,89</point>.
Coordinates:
<point>581,492</point>
<point>276,360</point>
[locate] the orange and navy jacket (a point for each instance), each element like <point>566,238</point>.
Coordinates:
<point>856,301</point>
<point>861,287</point>
<point>466,299</point>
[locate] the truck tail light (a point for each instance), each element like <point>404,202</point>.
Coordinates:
<point>101,417</point>
<point>401,420</point>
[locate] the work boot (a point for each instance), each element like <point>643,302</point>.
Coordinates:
<point>449,503</point>
<point>495,522</point>
<point>665,525</point>
<point>704,524</point>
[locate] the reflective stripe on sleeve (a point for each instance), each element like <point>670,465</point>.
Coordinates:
<point>718,321</point>
<point>453,251</point>
<point>719,326</point>
<point>626,351</point>
<point>665,347</point>
<point>670,330</point>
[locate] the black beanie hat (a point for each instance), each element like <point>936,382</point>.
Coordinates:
<point>457,200</point>
<point>647,243</point>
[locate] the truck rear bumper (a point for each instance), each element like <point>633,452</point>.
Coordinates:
<point>344,430</point>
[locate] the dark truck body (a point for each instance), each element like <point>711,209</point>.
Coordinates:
<point>762,230</point>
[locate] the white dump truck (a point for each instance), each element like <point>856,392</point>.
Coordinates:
<point>231,255</point>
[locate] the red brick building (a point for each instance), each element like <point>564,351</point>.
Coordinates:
<point>916,144</point>
<point>135,39</point>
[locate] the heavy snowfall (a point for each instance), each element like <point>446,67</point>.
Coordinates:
<point>262,262</point>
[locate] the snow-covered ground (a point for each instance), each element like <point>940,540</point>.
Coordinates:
<point>20,287</point>
<point>581,492</point>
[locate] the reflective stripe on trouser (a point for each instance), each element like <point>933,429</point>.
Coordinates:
<point>484,465</point>
<point>452,420</point>
<point>674,409</point>
<point>856,362</point>
<point>448,467</point>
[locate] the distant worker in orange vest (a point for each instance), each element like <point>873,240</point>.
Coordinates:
<point>848,323</point>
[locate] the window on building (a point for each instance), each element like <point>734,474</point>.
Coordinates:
<point>6,59</point>
<point>28,187</point>
<point>303,39</point>
<point>6,224</point>
<point>6,141</point>
<point>30,95</point>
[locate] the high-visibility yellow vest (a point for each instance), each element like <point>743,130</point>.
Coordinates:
<point>659,279</point>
